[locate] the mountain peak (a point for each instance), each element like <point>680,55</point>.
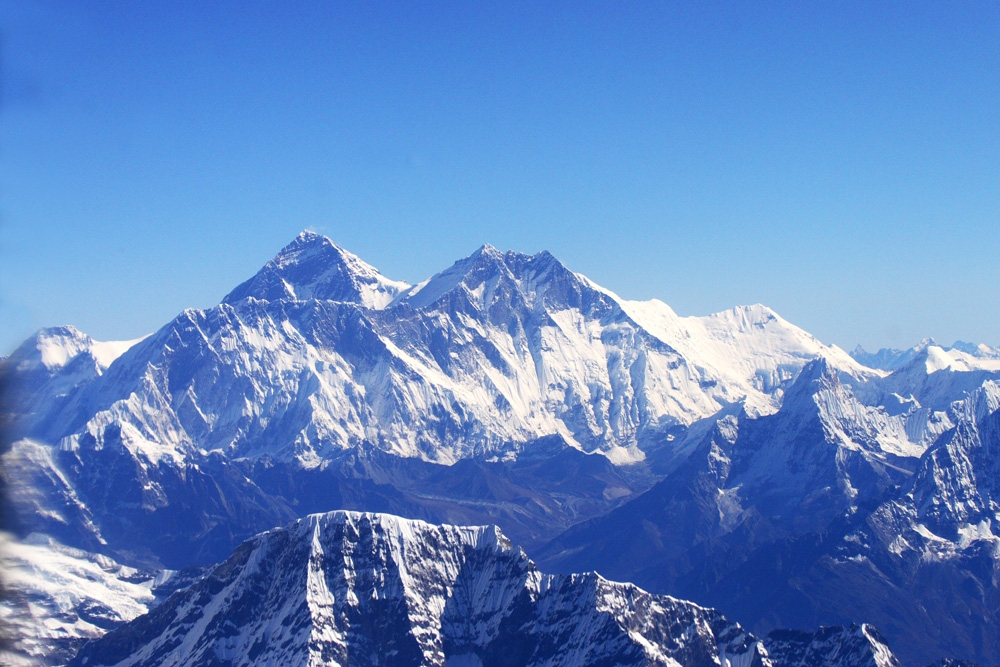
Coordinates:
<point>486,262</point>
<point>314,267</point>
<point>488,250</point>
<point>310,236</point>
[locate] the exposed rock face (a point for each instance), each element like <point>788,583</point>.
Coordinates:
<point>857,646</point>
<point>806,517</point>
<point>362,589</point>
<point>795,485</point>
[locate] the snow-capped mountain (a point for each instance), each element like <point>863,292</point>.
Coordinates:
<point>351,589</point>
<point>824,512</point>
<point>312,267</point>
<point>505,389</point>
<point>47,368</point>
<point>960,354</point>
<point>56,598</point>
<point>318,352</point>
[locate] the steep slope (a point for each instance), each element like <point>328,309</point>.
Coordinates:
<point>44,370</point>
<point>506,388</point>
<point>969,355</point>
<point>346,588</point>
<point>56,598</point>
<point>313,267</point>
<point>858,645</point>
<point>912,550</point>
<point>934,547</point>
<point>318,356</point>
<point>749,481</point>
<point>318,353</point>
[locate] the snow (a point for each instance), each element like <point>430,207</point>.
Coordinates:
<point>107,351</point>
<point>54,348</point>
<point>321,590</point>
<point>47,583</point>
<point>322,343</point>
<point>939,359</point>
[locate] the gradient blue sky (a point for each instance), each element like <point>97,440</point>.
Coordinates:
<point>837,161</point>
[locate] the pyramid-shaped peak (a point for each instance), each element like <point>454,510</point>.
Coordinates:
<point>314,267</point>
<point>488,266</point>
<point>815,376</point>
<point>488,250</point>
<point>308,243</point>
<point>310,235</point>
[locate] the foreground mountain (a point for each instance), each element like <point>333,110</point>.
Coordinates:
<point>351,589</point>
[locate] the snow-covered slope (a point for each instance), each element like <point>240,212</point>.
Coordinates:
<point>49,367</point>
<point>55,598</point>
<point>55,348</point>
<point>960,356</point>
<point>320,384</point>
<point>751,347</point>
<point>318,352</point>
<point>313,267</point>
<point>350,589</point>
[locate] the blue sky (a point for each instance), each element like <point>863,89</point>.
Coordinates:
<point>837,161</point>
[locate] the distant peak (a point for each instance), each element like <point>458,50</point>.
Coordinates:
<point>314,267</point>
<point>64,331</point>
<point>488,249</point>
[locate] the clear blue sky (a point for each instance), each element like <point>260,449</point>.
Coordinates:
<point>838,161</point>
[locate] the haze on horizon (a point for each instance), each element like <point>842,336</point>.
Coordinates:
<point>838,163</point>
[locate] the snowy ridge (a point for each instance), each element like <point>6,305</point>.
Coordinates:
<point>835,490</point>
<point>746,345</point>
<point>318,377</point>
<point>960,356</point>
<point>319,353</point>
<point>351,588</point>
<point>53,348</point>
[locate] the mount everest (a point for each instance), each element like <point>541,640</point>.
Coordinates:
<point>724,456</point>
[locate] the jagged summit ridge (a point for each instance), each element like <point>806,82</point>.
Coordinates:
<point>859,645</point>
<point>960,356</point>
<point>318,353</point>
<point>355,588</point>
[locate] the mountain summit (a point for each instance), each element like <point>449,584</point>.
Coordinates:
<point>314,267</point>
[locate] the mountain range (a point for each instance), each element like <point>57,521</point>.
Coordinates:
<point>733,459</point>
